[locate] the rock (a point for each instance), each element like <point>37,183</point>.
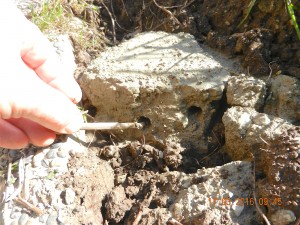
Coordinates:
<point>69,196</point>
<point>209,200</point>
<point>56,145</point>
<point>37,159</point>
<point>284,98</point>
<point>283,217</point>
<point>23,219</point>
<point>52,219</point>
<point>14,154</point>
<point>246,91</point>
<point>51,154</point>
<point>279,162</point>
<point>246,130</point>
<point>174,89</point>
<point>63,153</point>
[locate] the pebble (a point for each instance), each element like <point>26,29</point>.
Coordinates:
<point>14,154</point>
<point>56,146</point>
<point>51,154</point>
<point>57,162</point>
<point>14,214</point>
<point>69,196</point>
<point>237,208</point>
<point>14,223</point>
<point>62,153</point>
<point>23,219</point>
<point>283,217</point>
<point>37,159</point>
<point>52,219</point>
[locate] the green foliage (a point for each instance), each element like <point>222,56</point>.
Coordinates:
<point>51,175</point>
<point>290,8</point>
<point>50,15</point>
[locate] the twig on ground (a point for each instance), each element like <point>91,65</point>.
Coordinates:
<point>271,71</point>
<point>112,23</point>
<point>21,181</point>
<point>167,11</point>
<point>29,206</point>
<point>110,126</point>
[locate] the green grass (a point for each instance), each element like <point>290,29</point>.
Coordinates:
<point>291,11</point>
<point>50,16</point>
<point>290,7</point>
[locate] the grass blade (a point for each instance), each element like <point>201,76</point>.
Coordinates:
<point>290,8</point>
<point>250,6</point>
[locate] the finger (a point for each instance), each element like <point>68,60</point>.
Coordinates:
<point>29,97</point>
<point>38,53</point>
<point>11,136</point>
<point>37,134</point>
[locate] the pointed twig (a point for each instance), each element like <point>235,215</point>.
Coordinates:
<point>110,126</point>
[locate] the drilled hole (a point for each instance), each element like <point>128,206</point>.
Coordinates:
<point>194,112</point>
<point>146,121</point>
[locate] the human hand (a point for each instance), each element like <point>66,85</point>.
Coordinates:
<point>37,93</point>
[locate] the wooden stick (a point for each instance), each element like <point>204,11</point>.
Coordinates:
<point>29,206</point>
<point>110,126</point>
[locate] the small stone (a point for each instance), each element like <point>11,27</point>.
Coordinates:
<point>37,159</point>
<point>283,217</point>
<point>69,196</point>
<point>51,154</point>
<point>261,119</point>
<point>293,155</point>
<point>23,219</point>
<point>56,146</point>
<point>14,223</point>
<point>62,153</point>
<point>15,215</point>
<point>52,219</point>
<point>14,154</point>
<point>237,207</point>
